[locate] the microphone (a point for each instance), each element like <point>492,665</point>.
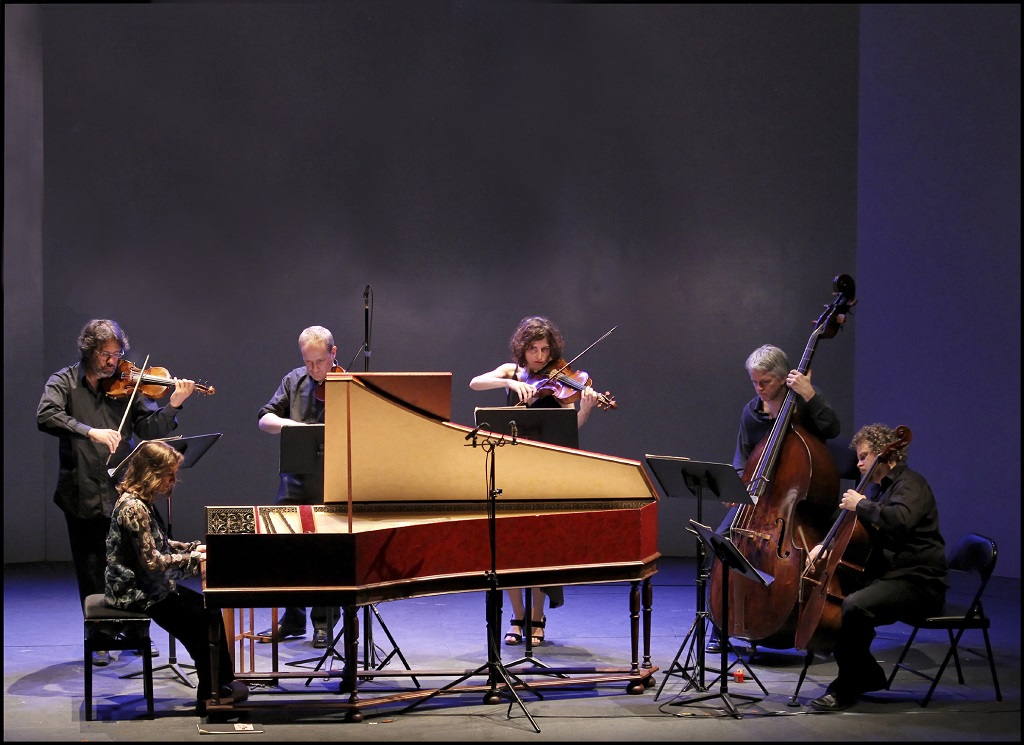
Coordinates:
<point>477,430</point>
<point>515,432</point>
<point>366,297</point>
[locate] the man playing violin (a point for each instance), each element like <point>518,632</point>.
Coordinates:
<point>905,575</point>
<point>535,344</point>
<point>88,424</point>
<point>295,403</point>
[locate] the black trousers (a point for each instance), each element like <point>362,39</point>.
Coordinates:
<point>306,491</point>
<point>88,537</point>
<point>882,602</point>
<point>183,615</point>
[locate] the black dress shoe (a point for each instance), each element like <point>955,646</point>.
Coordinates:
<point>832,702</point>
<point>320,639</point>
<point>230,693</point>
<point>283,632</point>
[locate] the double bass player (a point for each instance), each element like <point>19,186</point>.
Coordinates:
<point>905,575</point>
<point>772,376</point>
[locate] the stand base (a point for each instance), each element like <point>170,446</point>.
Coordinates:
<point>726,699</point>
<point>172,665</point>
<point>496,672</point>
<point>693,645</point>
<point>370,650</point>
<point>730,649</point>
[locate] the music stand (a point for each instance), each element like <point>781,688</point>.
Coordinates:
<point>302,449</point>
<point>555,426</point>
<point>732,561</point>
<point>680,476</point>
<point>551,425</point>
<point>192,448</point>
<point>492,603</point>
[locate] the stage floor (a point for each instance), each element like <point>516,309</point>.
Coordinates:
<point>43,688</point>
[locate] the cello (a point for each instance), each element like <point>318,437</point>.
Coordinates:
<point>787,468</point>
<point>838,569</point>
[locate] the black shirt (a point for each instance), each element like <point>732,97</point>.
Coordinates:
<point>68,409</point>
<point>903,519</point>
<point>816,416</point>
<point>295,399</point>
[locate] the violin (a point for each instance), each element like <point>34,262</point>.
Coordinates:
<point>321,387</point>
<point>153,382</point>
<point>565,384</point>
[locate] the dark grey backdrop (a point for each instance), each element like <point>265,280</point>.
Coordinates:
<point>218,177</point>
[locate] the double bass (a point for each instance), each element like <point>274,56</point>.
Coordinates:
<point>789,468</point>
<point>839,568</point>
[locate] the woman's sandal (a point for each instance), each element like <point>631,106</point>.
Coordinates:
<point>535,639</point>
<point>513,639</point>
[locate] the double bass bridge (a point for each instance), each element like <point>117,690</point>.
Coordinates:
<point>752,534</point>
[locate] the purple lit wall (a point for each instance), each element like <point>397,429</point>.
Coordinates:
<point>218,177</point>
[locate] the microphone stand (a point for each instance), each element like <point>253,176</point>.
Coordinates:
<point>366,329</point>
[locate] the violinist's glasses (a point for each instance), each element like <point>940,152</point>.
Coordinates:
<point>109,355</point>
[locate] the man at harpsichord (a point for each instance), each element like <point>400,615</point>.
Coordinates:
<point>296,403</point>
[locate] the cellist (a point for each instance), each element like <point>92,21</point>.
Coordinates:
<point>772,376</point>
<point>905,575</point>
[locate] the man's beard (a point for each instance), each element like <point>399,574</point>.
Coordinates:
<point>101,371</point>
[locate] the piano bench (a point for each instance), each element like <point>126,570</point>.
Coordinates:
<point>108,628</point>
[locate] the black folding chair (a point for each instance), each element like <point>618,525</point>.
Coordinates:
<point>971,563</point>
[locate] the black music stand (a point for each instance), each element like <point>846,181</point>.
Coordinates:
<point>543,424</point>
<point>302,452</point>
<point>732,561</point>
<point>302,449</point>
<point>193,448</point>
<point>680,476</point>
<point>495,669</point>
<point>554,426</point>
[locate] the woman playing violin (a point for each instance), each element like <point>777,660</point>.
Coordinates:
<point>93,429</point>
<point>535,345</point>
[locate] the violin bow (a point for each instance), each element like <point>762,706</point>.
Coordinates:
<point>569,363</point>
<point>130,399</point>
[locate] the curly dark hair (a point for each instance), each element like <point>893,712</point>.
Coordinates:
<point>878,437</point>
<point>529,330</point>
<point>98,332</point>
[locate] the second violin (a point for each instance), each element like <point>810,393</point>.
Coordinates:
<point>565,384</point>
<point>321,387</point>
